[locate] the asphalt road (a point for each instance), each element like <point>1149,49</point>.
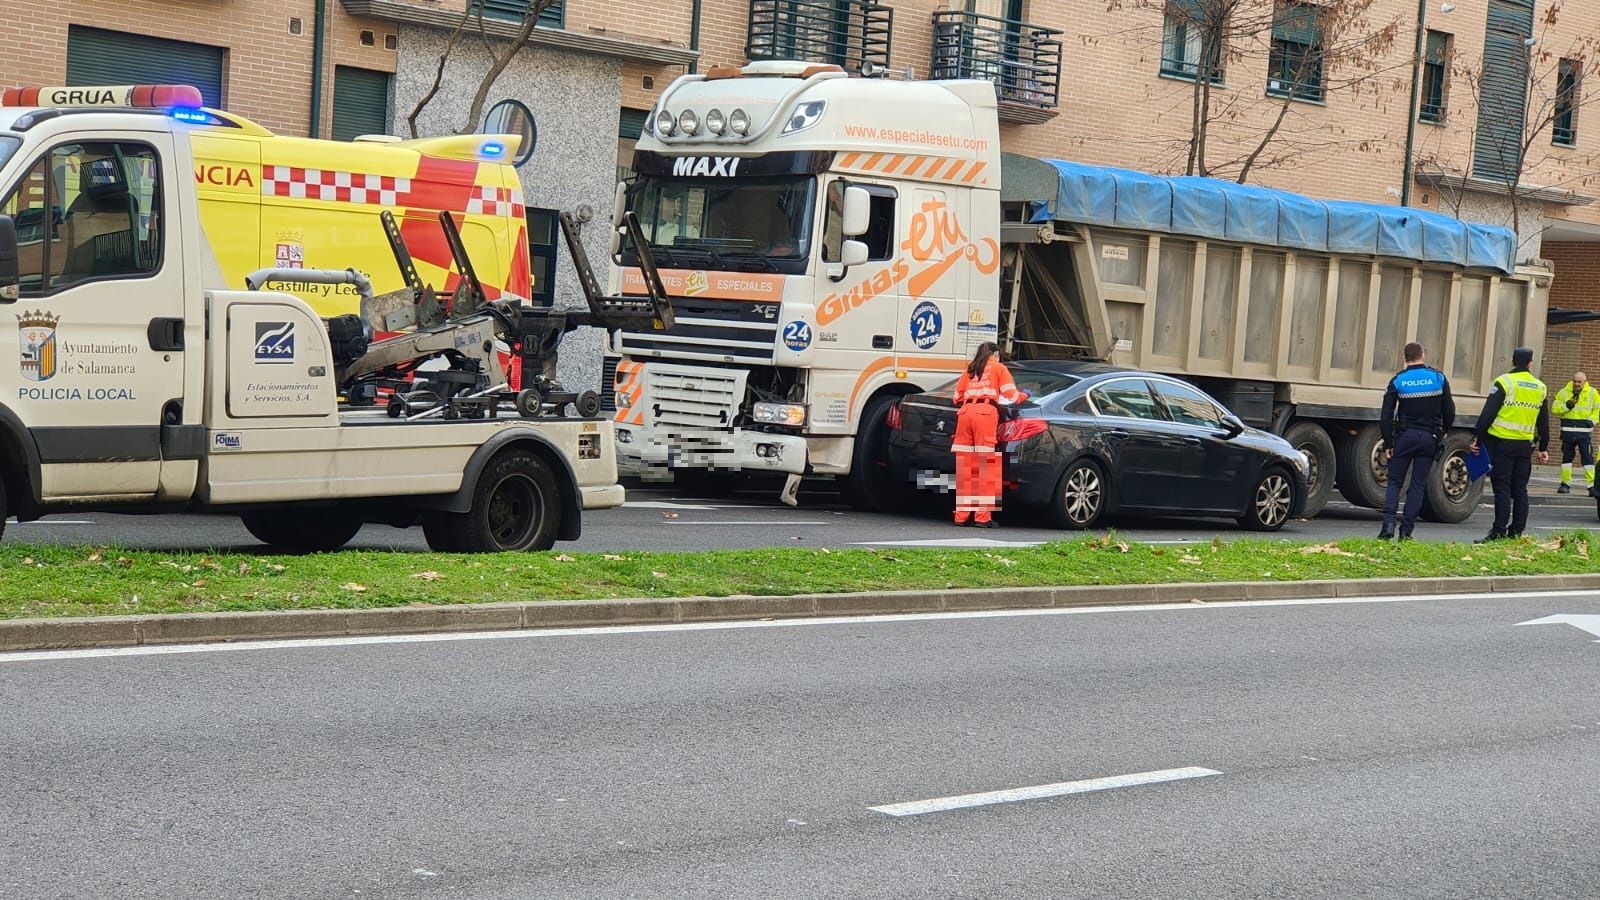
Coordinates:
<point>1424,748</point>
<point>659,518</point>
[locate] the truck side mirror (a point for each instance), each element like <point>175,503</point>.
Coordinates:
<point>10,272</point>
<point>857,212</point>
<point>619,205</point>
<point>852,253</point>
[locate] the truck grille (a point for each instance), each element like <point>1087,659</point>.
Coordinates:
<point>692,399</point>
<point>711,329</point>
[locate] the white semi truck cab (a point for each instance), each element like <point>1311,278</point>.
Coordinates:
<point>132,377</point>
<point>829,244</point>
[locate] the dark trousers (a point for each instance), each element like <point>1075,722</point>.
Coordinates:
<point>1413,452</point>
<point>1513,466</point>
<point>1576,445</point>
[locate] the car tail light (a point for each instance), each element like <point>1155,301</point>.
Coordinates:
<point>1020,430</point>
<point>894,416</point>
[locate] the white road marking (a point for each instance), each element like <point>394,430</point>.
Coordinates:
<point>662,504</point>
<point>1040,791</point>
<point>601,630</point>
<point>1590,624</point>
<point>52,522</point>
<point>784,522</point>
<point>974,543</point>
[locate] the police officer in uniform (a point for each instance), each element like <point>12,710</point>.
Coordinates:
<point>1417,410</point>
<point>1577,404</point>
<point>1515,420</point>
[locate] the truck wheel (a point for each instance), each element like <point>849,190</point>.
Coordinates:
<point>1270,502</point>
<point>1313,440</point>
<point>515,506</point>
<point>1452,495</point>
<point>1363,473</point>
<point>442,531</point>
<point>304,531</point>
<point>3,512</point>
<point>1080,500</point>
<point>868,486</point>
<point>587,405</point>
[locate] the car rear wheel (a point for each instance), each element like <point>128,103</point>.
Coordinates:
<point>1080,500</point>
<point>1270,503</point>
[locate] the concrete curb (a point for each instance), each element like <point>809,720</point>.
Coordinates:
<point>130,631</point>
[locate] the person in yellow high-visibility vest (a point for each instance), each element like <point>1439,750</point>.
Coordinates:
<point>1515,420</point>
<point>1577,404</point>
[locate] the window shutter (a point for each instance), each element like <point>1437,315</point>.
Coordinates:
<point>554,15</point>
<point>631,125</point>
<point>1438,47</point>
<point>97,56</point>
<point>1502,112</point>
<point>360,102</point>
<point>1297,23</point>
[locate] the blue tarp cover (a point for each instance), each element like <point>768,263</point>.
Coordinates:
<point>1222,210</point>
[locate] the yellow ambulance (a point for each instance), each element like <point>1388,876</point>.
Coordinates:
<point>268,201</point>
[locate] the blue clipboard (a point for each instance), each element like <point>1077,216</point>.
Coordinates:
<point>1478,464</point>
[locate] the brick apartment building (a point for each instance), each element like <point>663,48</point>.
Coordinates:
<point>1076,80</point>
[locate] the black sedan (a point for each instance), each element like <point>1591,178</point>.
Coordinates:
<point>1093,440</point>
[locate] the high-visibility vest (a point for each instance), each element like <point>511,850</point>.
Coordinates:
<point>1518,418</point>
<point>1581,417</point>
<point>995,385</point>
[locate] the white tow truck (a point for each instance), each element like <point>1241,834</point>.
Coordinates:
<point>135,379</point>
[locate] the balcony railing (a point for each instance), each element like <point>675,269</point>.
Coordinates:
<point>1023,60</point>
<point>847,33</point>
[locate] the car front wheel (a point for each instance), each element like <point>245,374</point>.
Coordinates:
<point>1080,500</point>
<point>1270,502</point>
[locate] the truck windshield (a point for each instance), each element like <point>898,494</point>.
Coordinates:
<point>8,147</point>
<point>759,224</point>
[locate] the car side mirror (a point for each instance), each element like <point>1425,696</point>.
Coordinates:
<point>857,214</point>
<point>10,271</point>
<point>1232,427</point>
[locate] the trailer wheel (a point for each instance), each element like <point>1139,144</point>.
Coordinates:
<point>1363,472</point>
<point>303,531</point>
<point>530,403</point>
<point>868,486</point>
<point>587,405</point>
<point>1313,440</point>
<point>1452,494</point>
<point>515,506</point>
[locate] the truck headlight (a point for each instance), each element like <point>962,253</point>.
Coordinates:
<point>715,123</point>
<point>688,122</point>
<point>779,413</point>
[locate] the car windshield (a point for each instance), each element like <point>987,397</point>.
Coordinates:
<point>1039,385</point>
<point>756,224</point>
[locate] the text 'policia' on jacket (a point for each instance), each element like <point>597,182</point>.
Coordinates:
<point>268,201</point>
<point>1421,397</point>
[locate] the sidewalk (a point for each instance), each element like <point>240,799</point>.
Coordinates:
<point>1542,488</point>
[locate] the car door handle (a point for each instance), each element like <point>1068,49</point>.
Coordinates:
<point>1117,433</point>
<point>166,333</point>
<point>1192,441</point>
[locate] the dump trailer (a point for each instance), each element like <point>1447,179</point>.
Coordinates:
<point>1290,310</point>
<point>834,243</point>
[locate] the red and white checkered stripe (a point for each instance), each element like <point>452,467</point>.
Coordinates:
<point>494,201</point>
<point>321,184</point>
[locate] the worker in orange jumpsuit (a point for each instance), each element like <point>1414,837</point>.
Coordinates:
<point>985,385</point>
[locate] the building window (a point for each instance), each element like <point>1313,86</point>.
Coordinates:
<point>1564,129</point>
<point>1434,74</point>
<point>552,16</point>
<point>629,126</point>
<point>1183,42</point>
<point>360,102</point>
<point>1295,63</point>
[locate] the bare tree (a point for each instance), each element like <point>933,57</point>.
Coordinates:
<point>500,55</point>
<point>1341,51</point>
<point>1522,138</point>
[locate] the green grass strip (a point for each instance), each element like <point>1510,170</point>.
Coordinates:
<point>77,581</point>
